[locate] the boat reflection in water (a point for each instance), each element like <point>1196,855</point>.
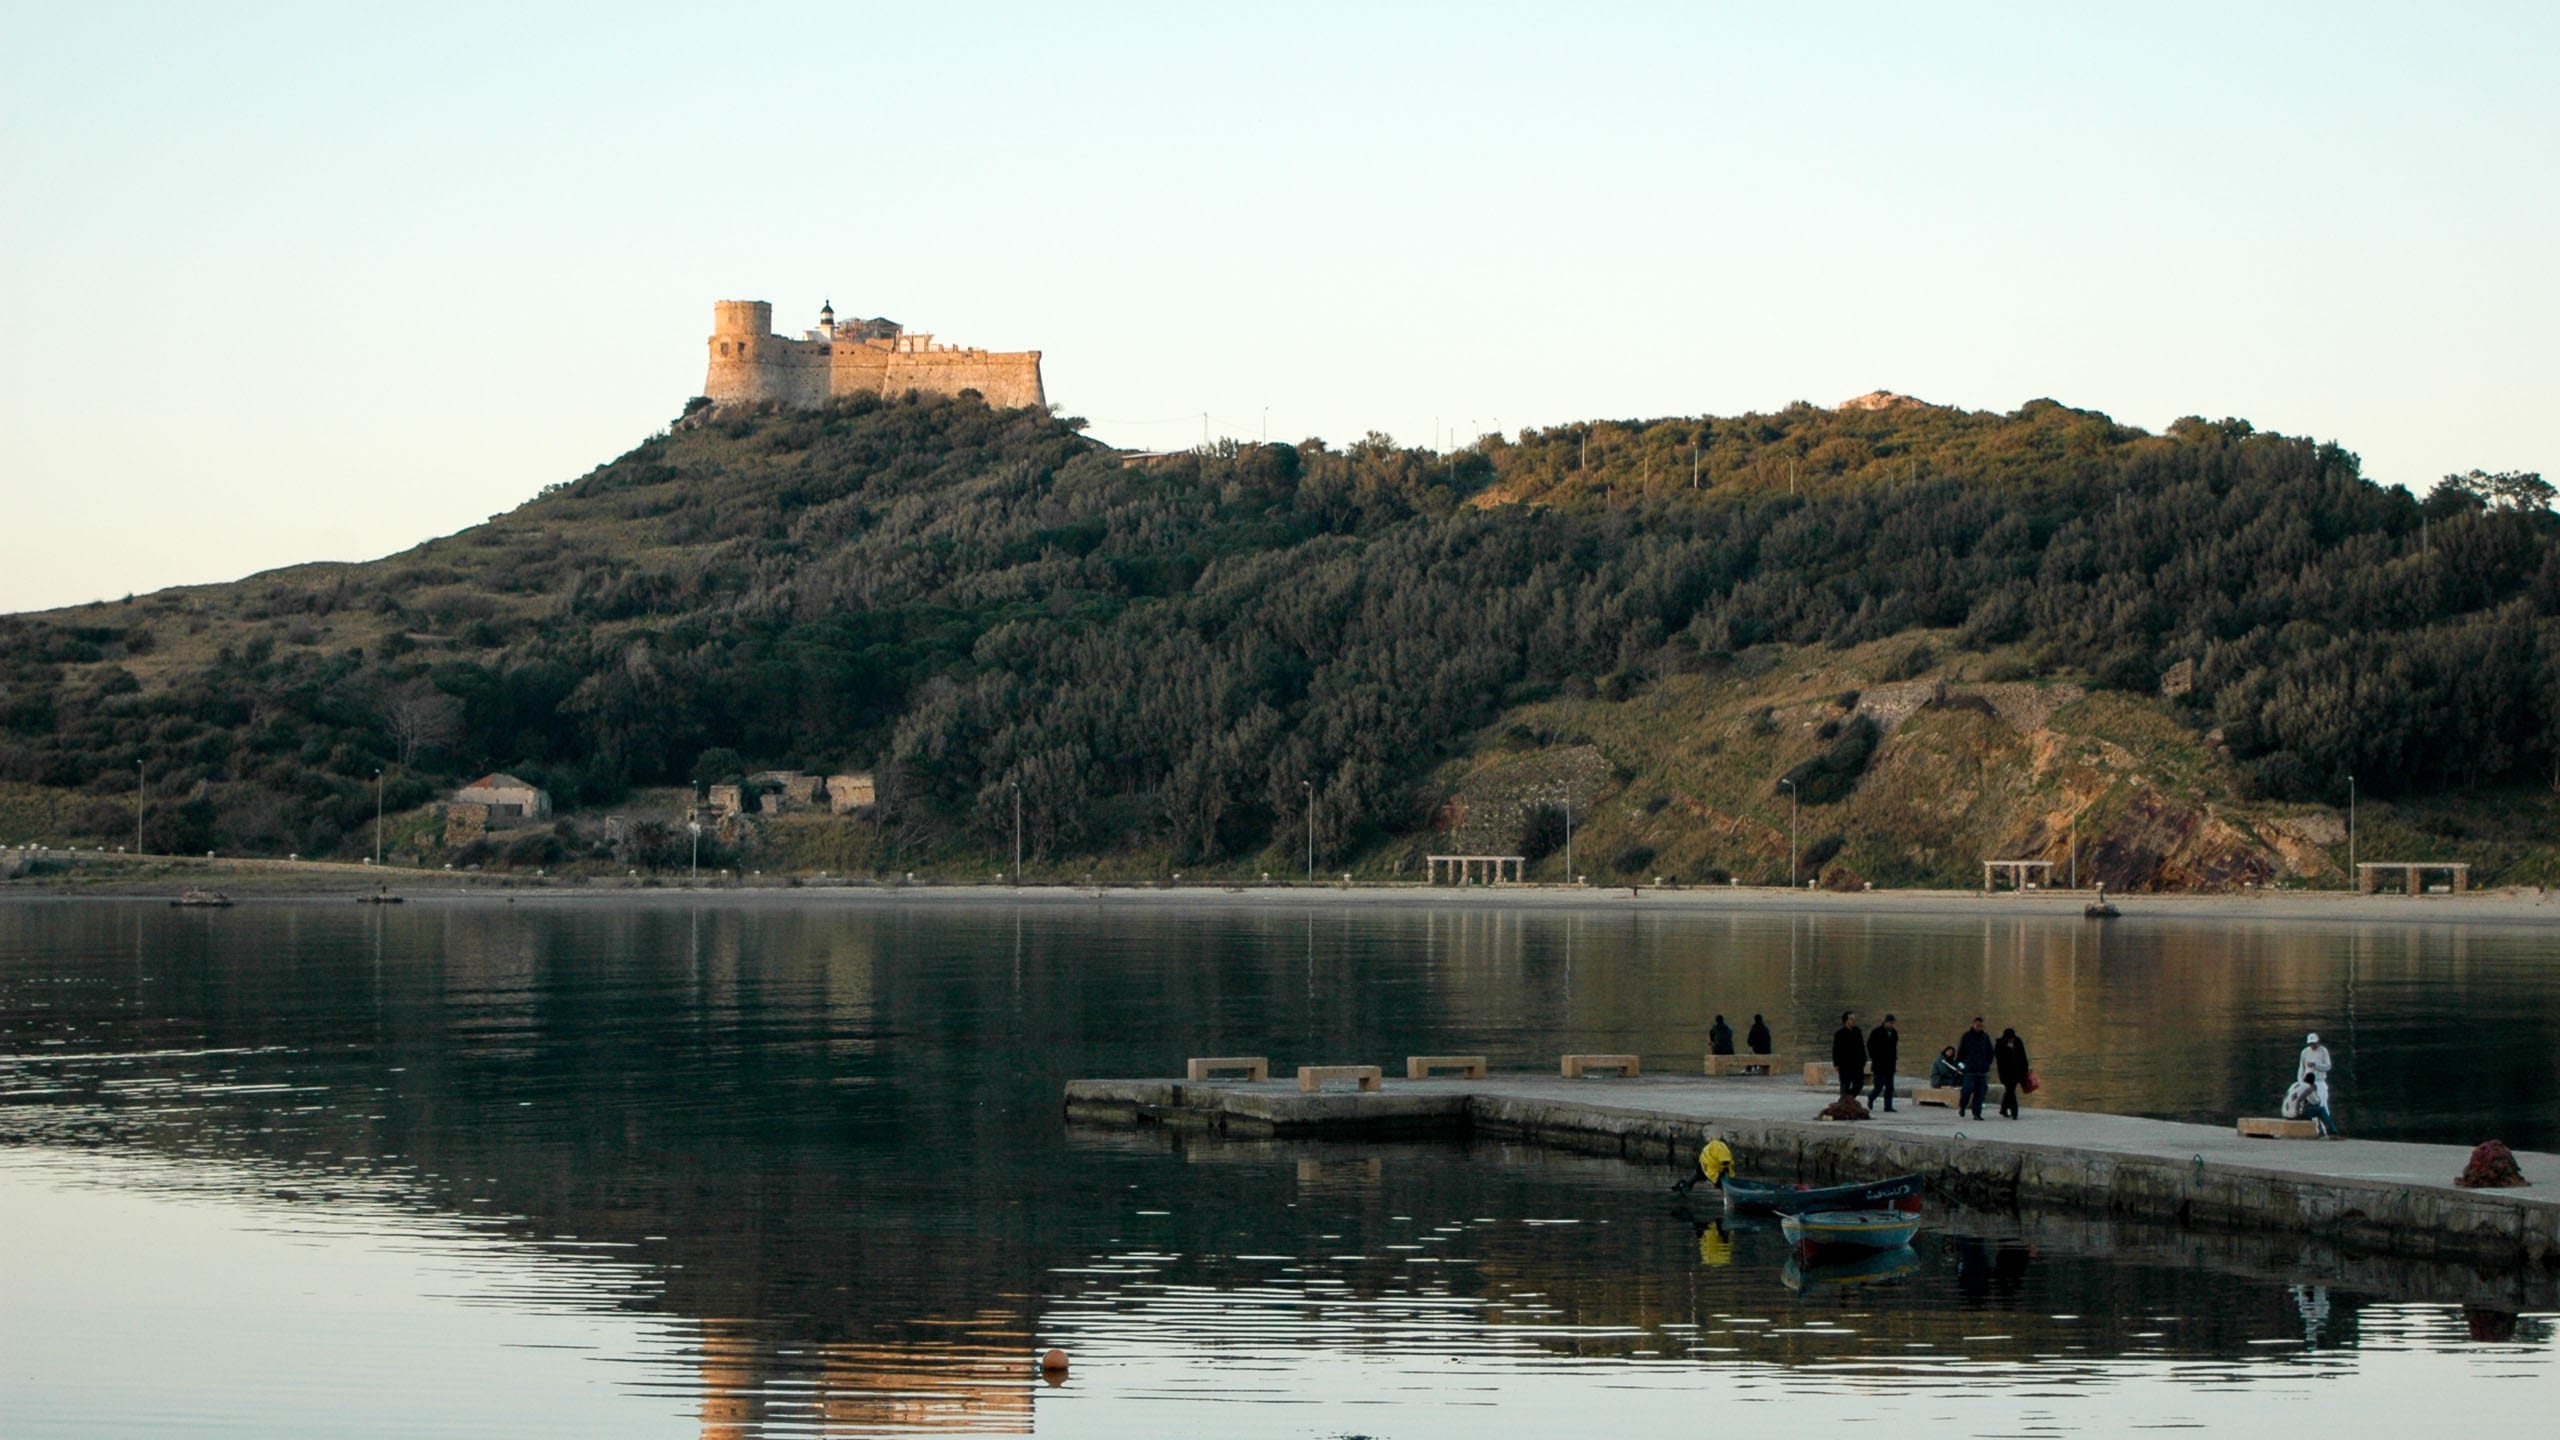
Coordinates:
<point>1875,1266</point>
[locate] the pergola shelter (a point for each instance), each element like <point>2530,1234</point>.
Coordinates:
<point>1477,869</point>
<point>2021,874</point>
<point>2369,874</point>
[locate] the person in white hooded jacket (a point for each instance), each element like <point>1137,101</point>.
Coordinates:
<point>2315,1056</point>
<point>2314,1062</point>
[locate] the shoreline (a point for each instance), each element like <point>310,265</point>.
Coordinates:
<point>313,882</point>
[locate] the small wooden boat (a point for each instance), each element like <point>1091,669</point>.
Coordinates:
<point>202,899</point>
<point>1742,1197</point>
<point>1823,1231</point>
<point>2099,911</point>
<point>1805,1276</point>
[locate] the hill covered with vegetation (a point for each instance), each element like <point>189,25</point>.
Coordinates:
<point>1944,633</point>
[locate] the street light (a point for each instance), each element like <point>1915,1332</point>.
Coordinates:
<point>696,827</point>
<point>1309,787</point>
<point>1793,849</point>
<point>1568,827</point>
<point>2352,873</point>
<point>377,814</point>
<point>1017,832</point>
<point>137,807</point>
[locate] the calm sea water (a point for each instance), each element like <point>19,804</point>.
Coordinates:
<point>755,1167</point>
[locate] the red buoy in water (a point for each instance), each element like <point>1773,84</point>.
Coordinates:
<point>1054,1362</point>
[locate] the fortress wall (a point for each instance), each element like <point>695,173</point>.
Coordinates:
<point>765,367</point>
<point>1007,380</point>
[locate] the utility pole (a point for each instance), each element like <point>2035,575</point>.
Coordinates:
<point>1793,849</point>
<point>1017,833</point>
<point>137,807</point>
<point>1310,787</point>
<point>1693,467</point>
<point>377,814</point>
<point>2075,849</point>
<point>1568,836</point>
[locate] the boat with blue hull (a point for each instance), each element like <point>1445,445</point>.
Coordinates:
<point>1837,1231</point>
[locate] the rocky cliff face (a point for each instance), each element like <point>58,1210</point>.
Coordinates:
<point>1967,770</point>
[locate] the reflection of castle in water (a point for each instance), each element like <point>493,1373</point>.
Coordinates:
<point>979,1382</point>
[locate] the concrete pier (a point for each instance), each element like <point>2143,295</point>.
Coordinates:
<point>2383,1197</point>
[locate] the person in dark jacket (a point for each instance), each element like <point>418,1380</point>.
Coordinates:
<point>1973,1056</point>
<point>1884,1048</point>
<point>1758,1039</point>
<point>2010,1055</point>
<point>1719,1038</point>
<point>1849,1054</point>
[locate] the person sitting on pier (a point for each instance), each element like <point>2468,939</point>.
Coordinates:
<point>1944,1072</point>
<point>1719,1038</point>
<point>1758,1039</point>
<point>2303,1102</point>
<point>2320,1097</point>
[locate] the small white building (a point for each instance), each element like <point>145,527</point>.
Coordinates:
<point>511,801</point>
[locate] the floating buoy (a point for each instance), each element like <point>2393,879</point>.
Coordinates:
<point>1054,1362</point>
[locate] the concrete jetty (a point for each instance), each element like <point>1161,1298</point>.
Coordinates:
<point>2385,1197</point>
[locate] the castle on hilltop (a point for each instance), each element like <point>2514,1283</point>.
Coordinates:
<point>749,363</point>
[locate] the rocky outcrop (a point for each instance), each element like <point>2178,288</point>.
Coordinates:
<point>1883,400</point>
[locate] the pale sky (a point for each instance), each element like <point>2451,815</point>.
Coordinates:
<point>285,283</point>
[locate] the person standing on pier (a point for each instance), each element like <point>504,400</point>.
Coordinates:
<point>2010,1054</point>
<point>1719,1038</point>
<point>1849,1055</point>
<point>1973,1056</point>
<point>1758,1039</point>
<point>1884,1049</point>
<point>2315,1058</point>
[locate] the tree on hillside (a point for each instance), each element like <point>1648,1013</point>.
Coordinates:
<point>2503,489</point>
<point>419,717</point>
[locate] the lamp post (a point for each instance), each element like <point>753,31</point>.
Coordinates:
<point>377,814</point>
<point>1568,836</point>
<point>2353,873</point>
<point>1793,849</point>
<point>137,807</point>
<point>1017,832</point>
<point>695,826</point>
<point>1310,787</point>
